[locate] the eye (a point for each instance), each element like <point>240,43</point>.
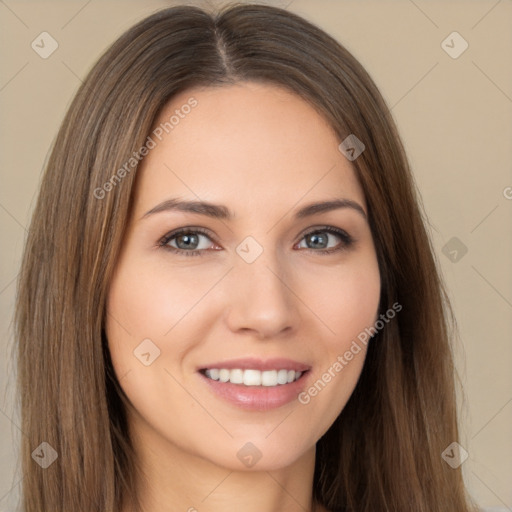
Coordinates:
<point>187,241</point>
<point>318,240</point>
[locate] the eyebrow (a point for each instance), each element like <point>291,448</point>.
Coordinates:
<point>218,211</point>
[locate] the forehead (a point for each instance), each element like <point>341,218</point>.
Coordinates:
<point>249,144</point>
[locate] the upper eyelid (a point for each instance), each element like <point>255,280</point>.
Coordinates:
<point>175,232</point>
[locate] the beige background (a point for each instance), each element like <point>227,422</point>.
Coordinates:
<point>455,119</point>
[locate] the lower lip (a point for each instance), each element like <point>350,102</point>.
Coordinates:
<point>257,398</point>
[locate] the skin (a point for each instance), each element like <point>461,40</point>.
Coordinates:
<point>264,153</point>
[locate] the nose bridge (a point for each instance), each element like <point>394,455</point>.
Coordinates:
<point>261,298</point>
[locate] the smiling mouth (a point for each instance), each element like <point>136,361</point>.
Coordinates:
<point>253,377</point>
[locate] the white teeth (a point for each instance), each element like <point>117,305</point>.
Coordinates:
<point>223,375</point>
<point>269,378</point>
<point>282,376</point>
<point>213,374</point>
<point>253,377</point>
<point>236,376</point>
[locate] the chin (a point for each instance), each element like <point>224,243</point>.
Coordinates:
<point>253,453</point>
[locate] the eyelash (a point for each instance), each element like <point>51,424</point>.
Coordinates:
<point>347,240</point>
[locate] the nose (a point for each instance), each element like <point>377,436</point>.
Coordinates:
<point>262,298</point>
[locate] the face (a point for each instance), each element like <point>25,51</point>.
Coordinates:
<point>231,323</point>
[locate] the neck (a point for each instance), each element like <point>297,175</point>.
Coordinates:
<point>176,480</point>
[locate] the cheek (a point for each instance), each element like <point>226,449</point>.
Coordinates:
<point>135,314</point>
<point>347,301</point>
<point>143,309</point>
<point>347,304</point>
<point>149,301</point>
<point>149,310</point>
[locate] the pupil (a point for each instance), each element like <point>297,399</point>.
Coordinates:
<point>314,238</point>
<point>188,238</point>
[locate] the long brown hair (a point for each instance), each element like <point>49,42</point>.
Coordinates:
<point>383,452</point>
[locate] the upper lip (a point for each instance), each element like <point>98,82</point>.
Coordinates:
<point>252,363</point>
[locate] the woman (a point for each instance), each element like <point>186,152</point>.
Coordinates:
<point>302,360</point>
